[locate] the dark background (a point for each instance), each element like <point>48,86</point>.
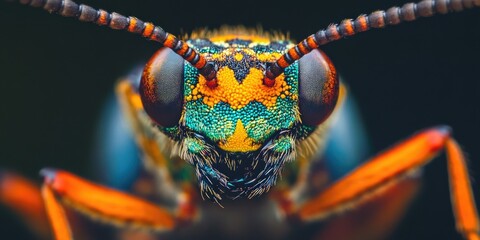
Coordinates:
<point>57,72</point>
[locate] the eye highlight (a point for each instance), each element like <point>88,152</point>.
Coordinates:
<point>161,87</point>
<point>318,87</point>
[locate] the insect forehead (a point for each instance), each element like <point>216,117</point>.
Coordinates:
<point>241,113</point>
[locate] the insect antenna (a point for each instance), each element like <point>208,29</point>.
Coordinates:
<point>349,27</point>
<point>85,13</point>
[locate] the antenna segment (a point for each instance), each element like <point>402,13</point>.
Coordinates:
<point>85,13</point>
<point>378,19</point>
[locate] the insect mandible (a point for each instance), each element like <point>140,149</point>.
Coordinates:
<point>77,48</point>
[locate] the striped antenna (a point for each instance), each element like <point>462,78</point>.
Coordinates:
<point>350,27</point>
<point>85,13</point>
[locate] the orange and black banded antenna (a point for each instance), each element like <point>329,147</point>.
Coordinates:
<point>85,13</point>
<point>349,27</point>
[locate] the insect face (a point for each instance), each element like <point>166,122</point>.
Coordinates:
<point>240,132</point>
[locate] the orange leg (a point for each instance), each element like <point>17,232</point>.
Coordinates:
<point>99,202</point>
<point>376,218</point>
<point>386,169</point>
<point>23,197</point>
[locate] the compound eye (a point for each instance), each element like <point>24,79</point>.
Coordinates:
<point>161,87</point>
<point>318,88</point>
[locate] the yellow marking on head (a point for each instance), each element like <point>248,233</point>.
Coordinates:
<point>269,57</point>
<point>238,56</point>
<point>238,95</point>
<point>253,38</point>
<point>225,33</point>
<point>239,141</point>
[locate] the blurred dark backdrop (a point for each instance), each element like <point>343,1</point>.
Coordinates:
<point>57,72</point>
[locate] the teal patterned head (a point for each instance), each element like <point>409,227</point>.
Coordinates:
<point>239,132</point>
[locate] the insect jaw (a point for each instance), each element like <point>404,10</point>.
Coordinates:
<point>237,174</point>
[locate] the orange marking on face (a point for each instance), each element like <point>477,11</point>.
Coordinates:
<point>268,57</point>
<point>263,57</point>
<point>239,141</point>
<point>238,95</point>
<point>107,203</point>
